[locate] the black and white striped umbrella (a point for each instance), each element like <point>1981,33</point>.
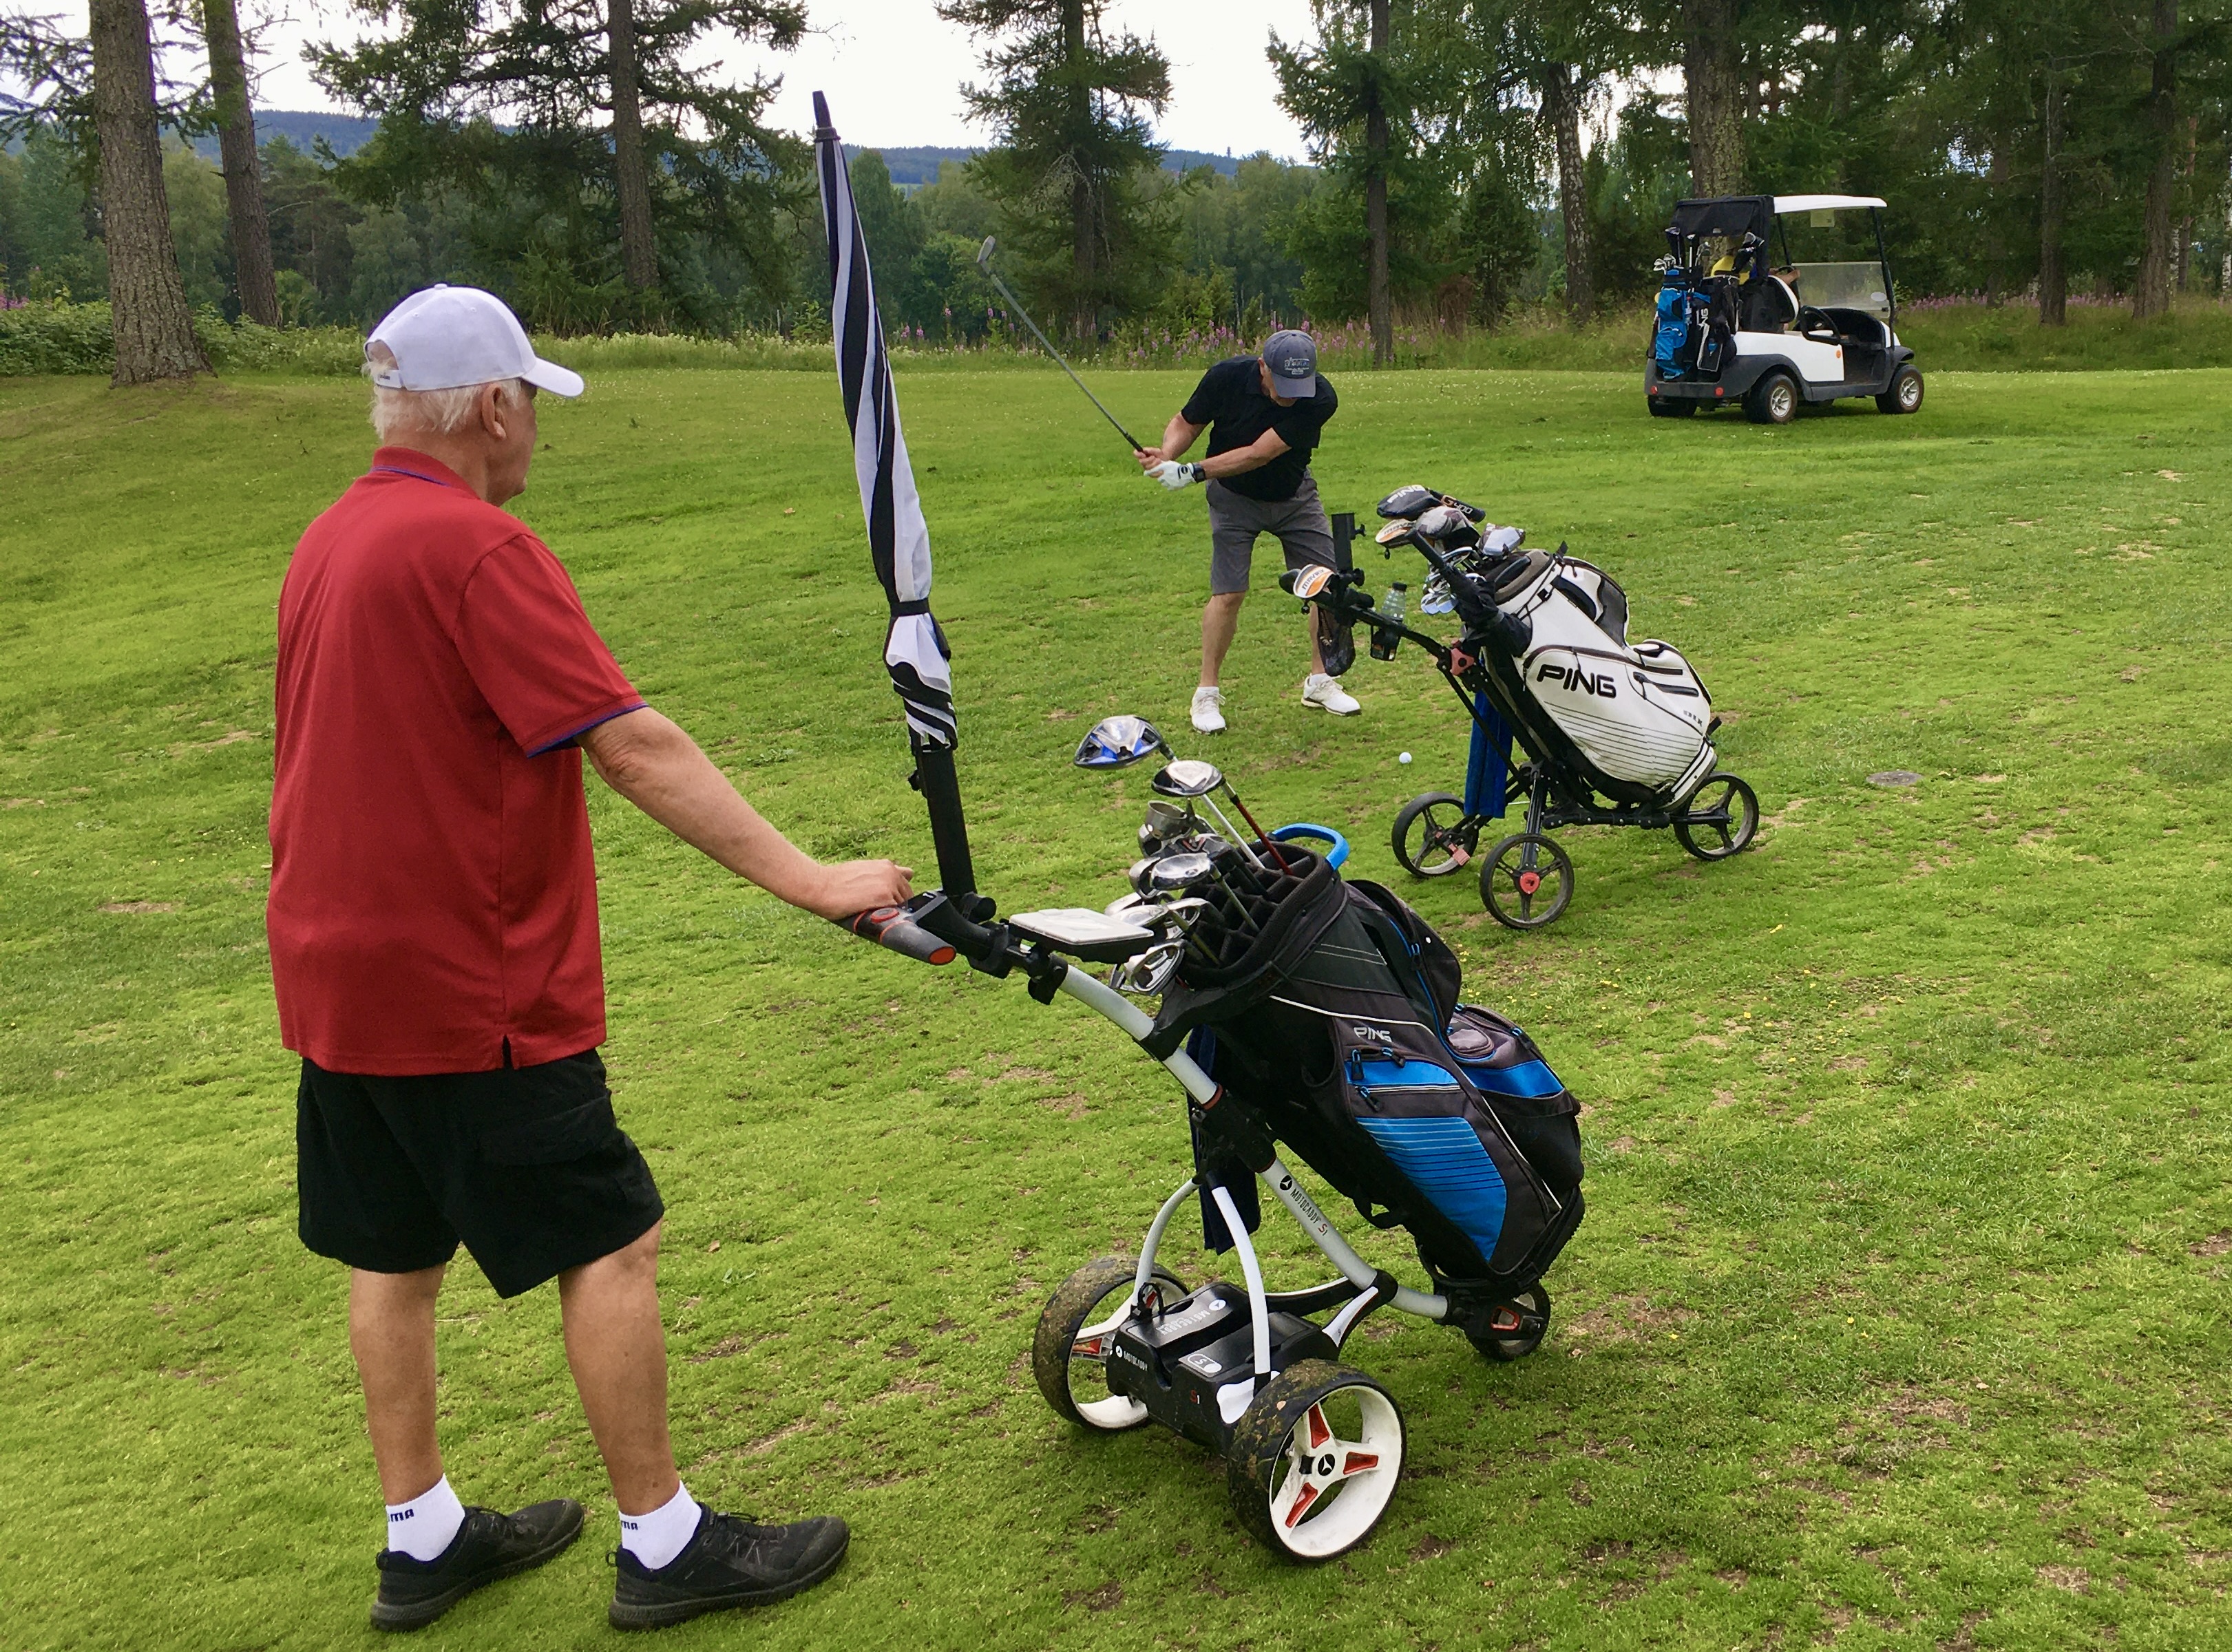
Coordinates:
<point>915,651</point>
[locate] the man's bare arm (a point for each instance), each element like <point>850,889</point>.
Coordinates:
<point>650,761</point>
<point>1176,440</point>
<point>1258,454</point>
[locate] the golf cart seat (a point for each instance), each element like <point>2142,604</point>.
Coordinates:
<point>1769,306</point>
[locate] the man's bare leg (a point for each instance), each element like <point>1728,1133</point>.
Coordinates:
<point>1317,643</point>
<point>1218,621</point>
<point>391,1334</point>
<point>617,1348</point>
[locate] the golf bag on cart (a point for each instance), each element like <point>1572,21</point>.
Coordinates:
<point>1339,1027</point>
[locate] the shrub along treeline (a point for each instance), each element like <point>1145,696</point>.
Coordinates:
<point>2030,150</point>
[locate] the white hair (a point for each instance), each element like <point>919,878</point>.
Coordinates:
<point>443,412</point>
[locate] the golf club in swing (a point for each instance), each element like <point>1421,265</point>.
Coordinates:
<point>985,263</point>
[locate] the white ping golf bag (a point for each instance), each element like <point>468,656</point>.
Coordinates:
<point>1634,713</point>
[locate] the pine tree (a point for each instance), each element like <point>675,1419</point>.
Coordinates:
<point>152,328</point>
<point>244,186</point>
<point>1073,168</point>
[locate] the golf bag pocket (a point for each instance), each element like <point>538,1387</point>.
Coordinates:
<point>1451,1171</point>
<point>1538,1113</point>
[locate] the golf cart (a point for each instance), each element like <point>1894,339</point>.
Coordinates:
<point>1740,320</point>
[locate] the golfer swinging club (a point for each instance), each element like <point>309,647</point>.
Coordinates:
<point>1264,414</point>
<point>434,947</point>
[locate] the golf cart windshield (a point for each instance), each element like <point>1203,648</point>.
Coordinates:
<point>1852,286</point>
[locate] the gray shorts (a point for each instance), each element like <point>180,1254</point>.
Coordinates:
<point>1235,520</point>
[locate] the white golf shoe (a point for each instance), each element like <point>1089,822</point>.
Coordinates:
<point>1318,688</point>
<point>1208,715</point>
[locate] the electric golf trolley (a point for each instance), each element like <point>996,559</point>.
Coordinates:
<point>1295,1008</point>
<point>1733,326</point>
<point>1615,733</point>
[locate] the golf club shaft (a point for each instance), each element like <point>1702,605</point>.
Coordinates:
<point>1059,362</point>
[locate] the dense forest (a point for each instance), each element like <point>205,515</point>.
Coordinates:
<point>1469,159</point>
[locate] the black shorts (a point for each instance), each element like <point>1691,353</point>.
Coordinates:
<point>526,1165</point>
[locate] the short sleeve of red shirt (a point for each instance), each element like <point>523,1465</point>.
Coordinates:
<point>532,652</point>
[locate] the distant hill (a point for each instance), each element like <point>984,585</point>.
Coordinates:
<point>911,167</point>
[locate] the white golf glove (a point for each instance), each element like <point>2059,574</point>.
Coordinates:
<point>1174,476</point>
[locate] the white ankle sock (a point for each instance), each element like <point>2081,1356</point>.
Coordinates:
<point>655,1539</point>
<point>426,1525</point>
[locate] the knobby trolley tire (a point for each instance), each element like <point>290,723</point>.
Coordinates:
<point>1096,1294</point>
<point>1314,1460</point>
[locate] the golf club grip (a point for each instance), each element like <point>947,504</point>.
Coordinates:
<point>890,926</point>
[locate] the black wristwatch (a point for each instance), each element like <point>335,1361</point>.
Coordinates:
<point>1197,472</point>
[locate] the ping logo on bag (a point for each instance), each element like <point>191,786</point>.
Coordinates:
<point>1577,680</point>
<point>1379,1032</point>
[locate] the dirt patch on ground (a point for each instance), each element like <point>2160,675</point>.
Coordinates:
<point>140,906</point>
<point>1628,1319</point>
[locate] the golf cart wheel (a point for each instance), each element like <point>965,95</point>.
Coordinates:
<point>1720,820</point>
<point>1904,395</point>
<point>1526,881</point>
<point>1670,406</point>
<point>1513,1329</point>
<point>1069,1354</point>
<point>1433,838</point>
<point>1774,400</point>
<point>1314,1460</point>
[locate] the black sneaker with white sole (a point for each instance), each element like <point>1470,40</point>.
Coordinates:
<point>489,1545</point>
<point>729,1561</point>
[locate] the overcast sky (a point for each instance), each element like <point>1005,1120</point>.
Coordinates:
<point>893,71</point>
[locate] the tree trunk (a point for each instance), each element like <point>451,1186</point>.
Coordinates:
<point>631,166</point>
<point>1084,225</point>
<point>1562,110</point>
<point>2053,279</point>
<point>1995,245</point>
<point>1713,99</point>
<point>244,178</point>
<point>2153,297</point>
<point>1379,302</point>
<point>152,327</point>
<point>2224,273</point>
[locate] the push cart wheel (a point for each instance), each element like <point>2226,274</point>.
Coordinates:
<point>1513,1329</point>
<point>1904,395</point>
<point>1432,835</point>
<point>1526,881</point>
<point>1313,1460</point>
<point>1774,400</point>
<point>1069,1354</point>
<point>1720,820</point>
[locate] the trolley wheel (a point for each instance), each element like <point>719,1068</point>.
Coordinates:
<point>1313,1460</point>
<point>1513,1329</point>
<point>1432,835</point>
<point>1069,1354</point>
<point>1720,820</point>
<point>1526,881</point>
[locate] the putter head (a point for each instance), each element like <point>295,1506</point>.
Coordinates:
<point>985,253</point>
<point>1187,777</point>
<point>1118,742</point>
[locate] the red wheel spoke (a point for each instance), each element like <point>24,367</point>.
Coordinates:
<point>1088,1348</point>
<point>1307,1496</point>
<point>1320,1430</point>
<point>1353,1461</point>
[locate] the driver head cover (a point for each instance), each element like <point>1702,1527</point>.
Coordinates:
<point>1293,358</point>
<point>446,338</point>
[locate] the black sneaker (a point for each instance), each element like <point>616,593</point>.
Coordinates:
<point>489,1545</point>
<point>728,1562</point>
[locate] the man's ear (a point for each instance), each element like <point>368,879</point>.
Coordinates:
<point>496,411</point>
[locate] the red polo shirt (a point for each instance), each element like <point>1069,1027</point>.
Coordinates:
<point>433,895</point>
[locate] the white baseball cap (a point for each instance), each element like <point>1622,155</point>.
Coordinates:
<point>445,337</point>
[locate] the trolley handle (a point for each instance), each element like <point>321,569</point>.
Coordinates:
<point>894,926</point>
<point>1335,854</point>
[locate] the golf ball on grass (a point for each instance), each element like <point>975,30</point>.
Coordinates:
<point>1405,758</point>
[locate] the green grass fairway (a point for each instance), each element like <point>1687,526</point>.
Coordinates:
<point>1898,1320</point>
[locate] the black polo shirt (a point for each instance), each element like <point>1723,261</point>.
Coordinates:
<point>1229,399</point>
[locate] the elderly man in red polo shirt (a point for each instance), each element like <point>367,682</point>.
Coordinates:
<point>434,926</point>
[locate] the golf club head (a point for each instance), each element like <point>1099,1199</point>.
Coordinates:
<point>1187,777</point>
<point>1308,580</point>
<point>985,253</point>
<point>1118,742</point>
<point>1175,874</point>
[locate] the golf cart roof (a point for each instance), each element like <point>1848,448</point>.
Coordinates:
<point>1738,215</point>
<point>1822,203</point>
